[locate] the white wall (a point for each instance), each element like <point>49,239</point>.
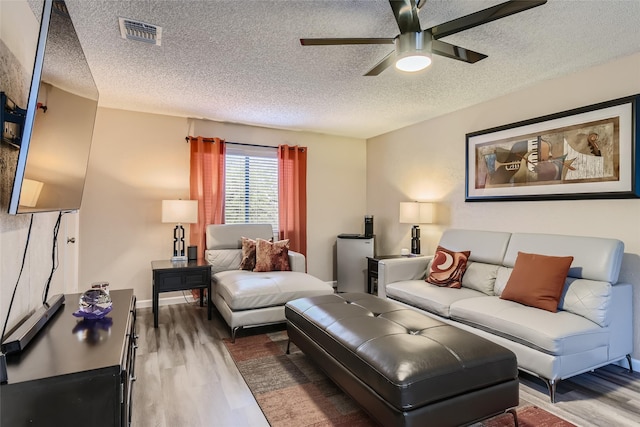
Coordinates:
<point>18,39</point>
<point>426,162</point>
<point>136,161</point>
<point>139,159</point>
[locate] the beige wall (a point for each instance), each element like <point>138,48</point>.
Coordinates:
<point>336,184</point>
<point>426,162</point>
<point>139,159</point>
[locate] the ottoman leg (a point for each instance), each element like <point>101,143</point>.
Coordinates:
<point>515,416</point>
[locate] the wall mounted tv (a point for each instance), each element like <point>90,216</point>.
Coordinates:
<point>60,115</point>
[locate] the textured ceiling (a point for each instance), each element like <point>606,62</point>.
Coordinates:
<point>241,61</point>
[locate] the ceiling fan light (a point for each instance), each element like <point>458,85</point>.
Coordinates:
<point>413,51</point>
<point>413,63</point>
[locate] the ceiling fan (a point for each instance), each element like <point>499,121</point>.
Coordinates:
<point>414,46</point>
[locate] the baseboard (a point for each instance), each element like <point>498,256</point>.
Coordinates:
<point>635,364</point>
<point>146,303</point>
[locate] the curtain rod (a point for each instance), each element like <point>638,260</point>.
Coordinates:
<point>188,138</point>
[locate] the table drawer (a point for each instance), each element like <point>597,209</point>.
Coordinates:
<point>197,277</point>
<point>176,281</point>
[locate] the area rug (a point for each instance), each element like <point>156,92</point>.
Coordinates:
<point>292,391</point>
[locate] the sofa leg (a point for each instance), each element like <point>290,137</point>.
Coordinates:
<point>289,346</point>
<point>630,364</point>
<point>551,386</point>
<point>233,333</point>
<point>515,416</point>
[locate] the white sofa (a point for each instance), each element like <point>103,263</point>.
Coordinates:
<point>593,325</point>
<point>248,298</point>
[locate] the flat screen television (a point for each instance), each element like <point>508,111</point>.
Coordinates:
<point>58,126</point>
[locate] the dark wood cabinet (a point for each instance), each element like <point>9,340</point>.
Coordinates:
<point>372,270</point>
<point>75,372</point>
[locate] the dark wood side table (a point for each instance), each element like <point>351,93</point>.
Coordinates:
<point>171,276</point>
<point>372,270</point>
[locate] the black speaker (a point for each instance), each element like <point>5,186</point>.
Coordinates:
<point>192,253</point>
<point>368,226</point>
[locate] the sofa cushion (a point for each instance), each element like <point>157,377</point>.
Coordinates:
<point>223,259</point>
<point>537,280</point>
<point>447,267</point>
<point>244,290</point>
<point>485,246</point>
<point>594,258</point>
<point>248,254</point>
<point>272,256</point>
<point>558,333</point>
<point>502,277</point>
<point>480,277</point>
<point>588,298</point>
<point>428,297</point>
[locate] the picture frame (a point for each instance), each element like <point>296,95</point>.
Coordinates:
<point>585,153</point>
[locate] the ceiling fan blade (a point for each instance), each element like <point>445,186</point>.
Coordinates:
<point>455,52</point>
<point>482,17</point>
<point>383,65</point>
<point>406,15</point>
<point>331,42</point>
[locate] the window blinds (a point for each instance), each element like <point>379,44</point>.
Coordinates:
<point>251,185</point>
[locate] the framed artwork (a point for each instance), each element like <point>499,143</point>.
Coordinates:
<point>586,153</point>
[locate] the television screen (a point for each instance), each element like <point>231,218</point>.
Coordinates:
<point>58,128</point>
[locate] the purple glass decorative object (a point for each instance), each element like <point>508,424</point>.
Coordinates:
<point>94,304</point>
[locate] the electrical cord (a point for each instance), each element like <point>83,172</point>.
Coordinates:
<point>186,300</point>
<point>15,288</point>
<point>54,257</point>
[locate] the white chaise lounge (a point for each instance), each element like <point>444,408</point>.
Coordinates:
<point>248,298</point>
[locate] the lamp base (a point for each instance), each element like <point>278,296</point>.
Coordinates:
<point>415,240</point>
<point>179,259</point>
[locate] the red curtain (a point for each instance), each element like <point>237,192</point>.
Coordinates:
<point>292,189</point>
<point>207,186</point>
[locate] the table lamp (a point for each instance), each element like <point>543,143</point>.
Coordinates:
<point>30,192</point>
<point>179,212</point>
<point>416,213</point>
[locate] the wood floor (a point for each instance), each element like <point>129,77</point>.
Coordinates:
<point>185,377</point>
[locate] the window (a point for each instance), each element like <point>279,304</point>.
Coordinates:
<point>251,185</point>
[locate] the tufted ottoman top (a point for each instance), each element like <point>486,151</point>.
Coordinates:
<point>408,358</point>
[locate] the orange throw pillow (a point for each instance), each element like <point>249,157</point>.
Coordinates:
<point>272,256</point>
<point>537,280</point>
<point>448,267</point>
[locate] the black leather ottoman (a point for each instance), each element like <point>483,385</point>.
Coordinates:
<point>403,367</point>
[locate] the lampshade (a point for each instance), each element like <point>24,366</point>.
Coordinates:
<point>413,51</point>
<point>30,192</point>
<point>180,211</point>
<point>416,213</point>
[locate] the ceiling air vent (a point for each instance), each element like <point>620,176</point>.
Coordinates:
<point>140,31</point>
